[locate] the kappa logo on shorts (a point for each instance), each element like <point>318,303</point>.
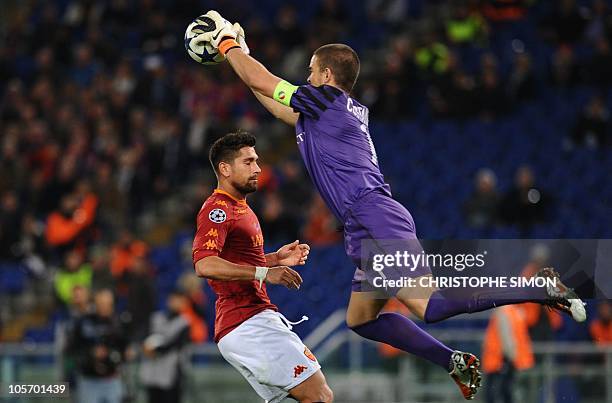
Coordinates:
<point>298,370</point>
<point>309,354</point>
<point>217,216</point>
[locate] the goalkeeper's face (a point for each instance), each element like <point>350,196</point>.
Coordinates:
<point>244,171</point>
<point>317,77</point>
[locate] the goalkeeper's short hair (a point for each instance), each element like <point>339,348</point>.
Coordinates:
<point>343,61</point>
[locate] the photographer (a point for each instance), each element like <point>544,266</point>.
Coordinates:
<point>98,343</point>
<point>161,371</point>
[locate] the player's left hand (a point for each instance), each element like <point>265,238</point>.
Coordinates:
<point>241,38</point>
<point>293,254</point>
<point>221,28</point>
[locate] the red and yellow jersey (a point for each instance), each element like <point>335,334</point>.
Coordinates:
<point>228,228</point>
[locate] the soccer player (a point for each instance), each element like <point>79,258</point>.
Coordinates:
<point>333,138</point>
<point>228,250</point>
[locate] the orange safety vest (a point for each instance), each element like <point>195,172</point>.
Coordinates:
<point>601,334</point>
<point>198,331</point>
<point>533,313</point>
<point>492,349</point>
<point>61,230</point>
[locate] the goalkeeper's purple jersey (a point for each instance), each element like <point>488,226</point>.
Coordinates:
<point>334,140</point>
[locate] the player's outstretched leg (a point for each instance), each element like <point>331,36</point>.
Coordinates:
<point>446,303</point>
<point>363,318</point>
<point>313,389</point>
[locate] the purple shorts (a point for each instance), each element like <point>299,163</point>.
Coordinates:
<point>378,217</point>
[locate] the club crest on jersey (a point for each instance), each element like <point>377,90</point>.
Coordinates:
<point>217,216</point>
<point>309,354</point>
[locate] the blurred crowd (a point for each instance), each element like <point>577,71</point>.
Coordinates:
<point>105,126</point>
<point>105,123</point>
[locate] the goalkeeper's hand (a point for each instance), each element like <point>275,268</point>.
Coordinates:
<point>240,38</point>
<point>222,29</point>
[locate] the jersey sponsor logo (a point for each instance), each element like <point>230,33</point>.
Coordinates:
<point>211,244</point>
<point>241,211</point>
<point>217,216</point>
<point>221,203</point>
<point>212,232</point>
<point>309,354</point>
<point>300,137</point>
<point>298,370</point>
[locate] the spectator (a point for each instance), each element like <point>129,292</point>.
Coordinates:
<point>161,372</point>
<point>390,12</point>
<point>331,20</point>
<point>321,226</point>
<point>521,83</point>
<point>101,277</point>
<point>505,10</point>
<point>543,323</point>
<point>506,349</point>
<point>568,22</point>
<point>124,252</point>
<point>599,24</point>
<point>74,273</point>
<point>294,189</point>
<point>601,64</point>
<point>433,56</point>
<point>191,287</point>
<point>490,95</point>
<point>601,327</point>
<point>564,70</point>
<point>525,204</point>
<point>99,343</point>
<point>288,28</point>
<point>10,226</point>
<point>482,208</point>
<point>111,201</point>
<point>140,294</point>
<point>593,127</point>
<point>79,307</point>
<point>465,27</point>
<point>277,224</point>
<point>66,226</point>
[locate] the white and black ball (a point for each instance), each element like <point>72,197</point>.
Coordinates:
<point>201,51</point>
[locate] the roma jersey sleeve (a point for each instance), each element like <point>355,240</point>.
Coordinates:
<point>213,225</point>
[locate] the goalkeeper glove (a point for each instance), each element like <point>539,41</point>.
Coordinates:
<point>240,38</point>
<point>222,36</point>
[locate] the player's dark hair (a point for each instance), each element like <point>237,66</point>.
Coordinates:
<point>227,147</point>
<point>343,61</point>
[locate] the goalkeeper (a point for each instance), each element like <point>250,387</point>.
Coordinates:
<point>333,138</point>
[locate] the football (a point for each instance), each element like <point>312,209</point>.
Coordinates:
<point>201,51</point>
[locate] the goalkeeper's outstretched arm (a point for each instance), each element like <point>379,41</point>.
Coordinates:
<point>263,84</point>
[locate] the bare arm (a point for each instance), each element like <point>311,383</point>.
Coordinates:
<point>254,74</point>
<point>272,259</point>
<point>257,77</point>
<point>279,110</point>
<point>216,268</point>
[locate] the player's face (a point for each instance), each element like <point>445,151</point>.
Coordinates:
<point>245,170</point>
<point>316,76</point>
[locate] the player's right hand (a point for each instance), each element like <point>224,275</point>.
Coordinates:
<point>284,275</point>
<point>222,29</point>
